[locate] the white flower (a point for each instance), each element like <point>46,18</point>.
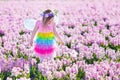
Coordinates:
<point>23,78</point>
<point>26,68</point>
<point>16,71</point>
<point>46,15</point>
<point>8,78</point>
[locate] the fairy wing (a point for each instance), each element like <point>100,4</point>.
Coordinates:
<point>56,19</point>
<point>29,23</point>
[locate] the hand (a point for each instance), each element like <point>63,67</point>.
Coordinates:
<point>62,43</point>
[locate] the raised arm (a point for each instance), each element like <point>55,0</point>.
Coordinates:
<point>56,34</point>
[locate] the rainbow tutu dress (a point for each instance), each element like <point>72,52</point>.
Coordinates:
<point>45,43</point>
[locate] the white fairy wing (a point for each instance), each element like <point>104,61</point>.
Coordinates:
<point>56,19</point>
<point>29,23</point>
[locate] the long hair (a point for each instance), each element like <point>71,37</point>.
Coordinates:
<point>46,19</point>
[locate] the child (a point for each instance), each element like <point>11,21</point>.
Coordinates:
<point>45,44</point>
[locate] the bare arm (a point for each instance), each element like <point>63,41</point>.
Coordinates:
<point>33,34</point>
<point>56,34</point>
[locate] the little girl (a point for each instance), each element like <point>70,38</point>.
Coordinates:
<point>45,44</point>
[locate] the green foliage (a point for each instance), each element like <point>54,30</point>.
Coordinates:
<point>84,25</point>
<point>95,23</point>
<point>28,75</point>
<point>67,77</point>
<point>92,79</point>
<point>32,71</point>
<point>19,76</point>
<point>68,44</point>
<point>111,35</point>
<point>54,79</point>
<point>106,38</point>
<point>81,74</point>
<point>2,44</point>
<point>110,45</point>
<point>71,26</point>
<point>64,67</point>
<point>4,75</point>
<point>89,44</point>
<point>117,60</point>
<point>2,34</point>
<point>118,47</point>
<point>103,46</point>
<point>38,60</point>
<point>68,35</point>
<point>22,32</point>
<point>13,78</point>
<point>35,74</point>
<point>11,53</point>
<point>100,31</point>
<point>58,57</point>
<point>91,60</point>
<point>107,26</point>
<point>21,55</point>
<point>106,56</point>
<point>7,54</point>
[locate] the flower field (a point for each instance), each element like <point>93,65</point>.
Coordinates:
<point>89,28</point>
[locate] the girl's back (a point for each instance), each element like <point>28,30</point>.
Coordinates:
<point>48,28</point>
<point>45,40</point>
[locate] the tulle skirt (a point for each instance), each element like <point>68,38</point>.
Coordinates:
<point>45,53</point>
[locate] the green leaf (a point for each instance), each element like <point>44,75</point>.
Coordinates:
<point>13,78</point>
<point>68,35</point>
<point>110,45</point>
<point>107,26</point>
<point>68,44</point>
<point>6,56</point>
<point>28,75</point>
<point>118,47</point>
<point>2,34</point>
<point>38,60</point>
<point>67,77</point>
<point>19,76</point>
<point>118,60</point>
<point>21,33</point>
<point>92,79</point>
<point>95,23</point>
<point>58,57</point>
<point>80,74</point>
<point>77,78</point>
<point>64,67</point>
<point>25,57</point>
<point>91,60</point>
<point>11,53</point>
<point>45,78</point>
<point>106,38</point>
<point>100,31</point>
<point>39,75</point>
<point>89,44</point>
<point>111,35</point>
<point>83,25</point>
<point>4,75</point>
<point>54,79</point>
